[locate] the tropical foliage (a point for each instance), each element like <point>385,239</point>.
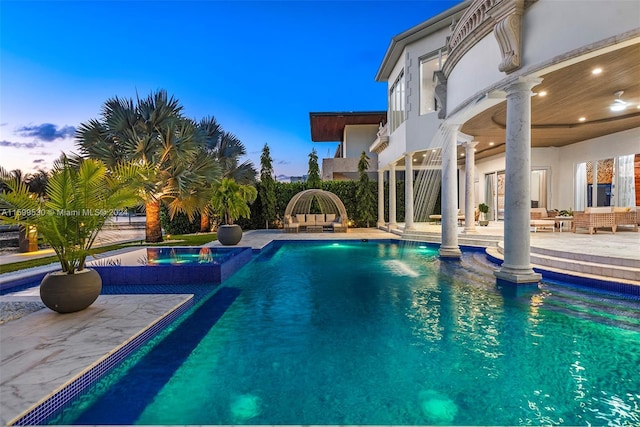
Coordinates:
<point>230,200</point>
<point>171,151</point>
<point>81,194</point>
<point>227,150</point>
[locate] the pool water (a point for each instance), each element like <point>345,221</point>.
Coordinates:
<point>378,333</point>
<point>187,255</point>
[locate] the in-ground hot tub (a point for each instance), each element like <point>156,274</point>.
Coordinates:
<point>172,265</point>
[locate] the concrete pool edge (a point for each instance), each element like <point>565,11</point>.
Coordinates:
<point>159,314</point>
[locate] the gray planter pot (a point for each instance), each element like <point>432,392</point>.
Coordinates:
<point>68,293</point>
<point>229,235</point>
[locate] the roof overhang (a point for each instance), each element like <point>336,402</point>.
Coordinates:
<point>329,127</point>
<point>430,26</point>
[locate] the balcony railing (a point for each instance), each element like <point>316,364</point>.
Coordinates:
<point>382,140</point>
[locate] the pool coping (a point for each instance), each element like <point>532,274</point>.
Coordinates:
<point>156,311</point>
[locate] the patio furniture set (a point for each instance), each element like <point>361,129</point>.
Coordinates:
<point>314,223</point>
<point>606,217</point>
<point>590,219</point>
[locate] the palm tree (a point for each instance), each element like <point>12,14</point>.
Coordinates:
<point>80,196</point>
<point>167,147</point>
<point>226,149</point>
<point>228,153</point>
<point>37,182</point>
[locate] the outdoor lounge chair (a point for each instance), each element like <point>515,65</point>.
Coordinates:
<point>594,218</point>
<point>625,217</point>
<point>540,218</point>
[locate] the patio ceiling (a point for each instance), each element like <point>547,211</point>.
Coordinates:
<point>571,93</point>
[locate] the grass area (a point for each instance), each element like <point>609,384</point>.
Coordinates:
<point>174,240</point>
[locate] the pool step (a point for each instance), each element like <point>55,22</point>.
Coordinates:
<point>595,267</point>
<point>475,240</point>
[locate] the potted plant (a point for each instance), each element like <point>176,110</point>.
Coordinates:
<point>484,210</point>
<point>566,213</point>
<point>230,202</point>
<point>80,196</point>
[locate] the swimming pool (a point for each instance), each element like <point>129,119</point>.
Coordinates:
<point>380,333</point>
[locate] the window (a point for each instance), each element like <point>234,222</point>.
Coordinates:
<point>607,182</point>
<point>539,188</point>
<point>428,66</point>
<point>397,102</point>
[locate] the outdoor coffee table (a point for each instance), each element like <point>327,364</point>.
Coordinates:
<point>560,220</point>
<point>314,229</point>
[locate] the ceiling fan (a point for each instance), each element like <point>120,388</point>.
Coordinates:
<point>618,103</point>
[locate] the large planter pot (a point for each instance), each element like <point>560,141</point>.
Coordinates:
<point>67,293</point>
<point>229,235</point>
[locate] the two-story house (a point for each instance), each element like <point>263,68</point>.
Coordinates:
<point>354,132</point>
<point>516,104</point>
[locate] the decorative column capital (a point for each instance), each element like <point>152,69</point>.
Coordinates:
<point>463,137</point>
<point>470,145</point>
<point>522,84</point>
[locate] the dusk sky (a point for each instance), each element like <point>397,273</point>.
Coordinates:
<point>258,67</point>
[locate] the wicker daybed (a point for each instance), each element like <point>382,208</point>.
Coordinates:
<point>298,216</point>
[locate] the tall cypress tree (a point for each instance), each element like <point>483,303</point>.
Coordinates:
<point>366,202</point>
<point>313,175</point>
<point>267,186</point>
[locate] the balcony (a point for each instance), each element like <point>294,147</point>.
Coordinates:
<point>382,140</point>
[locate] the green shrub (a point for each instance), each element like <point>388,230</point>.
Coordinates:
<point>179,224</point>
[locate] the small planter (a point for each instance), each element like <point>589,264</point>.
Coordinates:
<point>68,293</point>
<point>484,223</point>
<point>229,235</point>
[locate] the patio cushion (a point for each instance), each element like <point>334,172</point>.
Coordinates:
<point>331,217</point>
<point>598,209</point>
<point>300,218</point>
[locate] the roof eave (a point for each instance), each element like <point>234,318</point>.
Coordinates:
<point>399,42</point>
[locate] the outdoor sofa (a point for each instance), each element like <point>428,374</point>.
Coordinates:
<point>605,217</point>
<point>298,222</point>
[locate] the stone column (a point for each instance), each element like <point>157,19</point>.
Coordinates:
<point>408,192</point>
<point>516,267</point>
<point>380,198</point>
<point>449,247</point>
<point>469,193</point>
<point>392,196</point>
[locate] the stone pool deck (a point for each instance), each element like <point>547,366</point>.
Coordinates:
<point>43,352</point>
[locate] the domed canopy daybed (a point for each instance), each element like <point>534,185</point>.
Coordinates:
<point>333,214</point>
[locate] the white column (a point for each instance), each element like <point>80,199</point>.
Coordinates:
<point>516,267</point>
<point>392,196</point>
<point>469,190</point>
<point>380,198</point>
<point>408,192</point>
<point>449,202</point>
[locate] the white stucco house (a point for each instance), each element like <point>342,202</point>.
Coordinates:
<point>517,104</point>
